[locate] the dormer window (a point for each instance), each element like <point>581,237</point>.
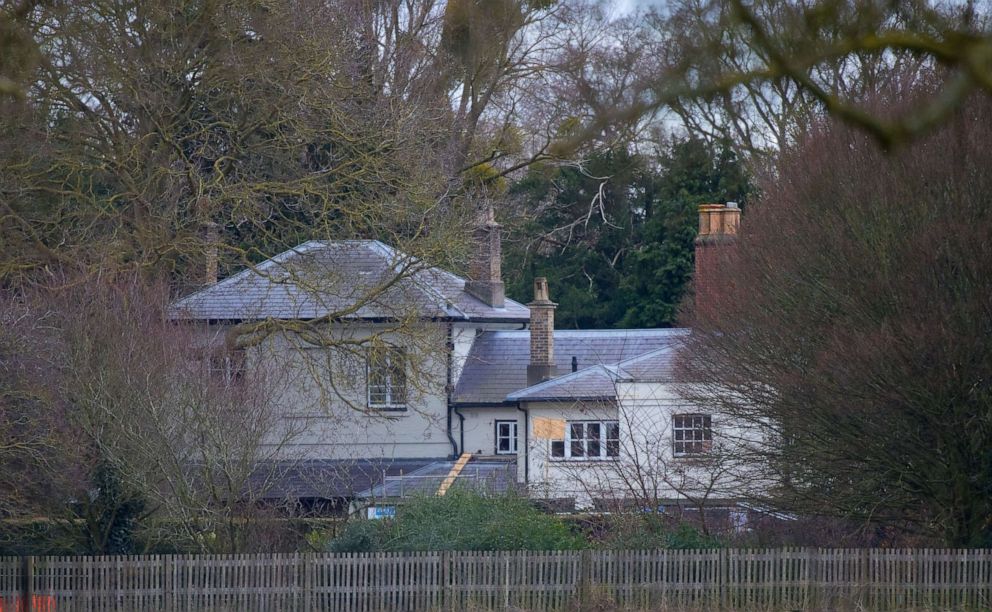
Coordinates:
<point>387,379</point>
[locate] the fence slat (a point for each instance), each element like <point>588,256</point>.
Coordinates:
<point>726,579</point>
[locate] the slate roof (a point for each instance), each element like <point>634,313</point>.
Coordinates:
<point>478,475</point>
<point>655,366</point>
<point>496,366</point>
<point>599,382</point>
<point>328,478</point>
<point>318,279</point>
<point>595,383</point>
<point>374,478</point>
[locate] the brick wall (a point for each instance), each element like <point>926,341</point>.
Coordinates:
<point>716,244</point>
<point>542,339</point>
<point>485,269</point>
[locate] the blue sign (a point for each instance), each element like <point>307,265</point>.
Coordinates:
<point>381,512</point>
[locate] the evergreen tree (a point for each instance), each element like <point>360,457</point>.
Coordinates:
<point>615,237</point>
<point>657,271</point>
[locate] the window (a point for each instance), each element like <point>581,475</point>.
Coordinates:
<point>692,434</point>
<point>387,379</point>
<point>588,440</point>
<point>226,366</point>
<point>506,437</point>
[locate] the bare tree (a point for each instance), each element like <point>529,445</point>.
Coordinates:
<point>753,70</point>
<point>147,123</point>
<point>163,432</point>
<point>18,52</point>
<point>31,424</point>
<point>851,328</point>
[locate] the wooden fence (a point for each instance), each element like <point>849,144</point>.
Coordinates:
<point>772,579</point>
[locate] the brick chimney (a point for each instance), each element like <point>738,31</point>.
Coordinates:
<point>211,236</point>
<point>542,335</point>
<point>716,240</point>
<point>485,270</point>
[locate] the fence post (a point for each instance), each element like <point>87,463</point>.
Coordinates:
<point>506,580</point>
<point>721,573</point>
<point>166,592</point>
<point>817,592</point>
<point>27,582</point>
<point>309,600</point>
<point>585,575</point>
<point>447,582</point>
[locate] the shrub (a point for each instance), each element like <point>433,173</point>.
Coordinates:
<point>648,531</point>
<point>461,520</point>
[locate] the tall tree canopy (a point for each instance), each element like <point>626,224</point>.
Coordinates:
<point>135,125</point>
<point>148,121</point>
<point>754,70</point>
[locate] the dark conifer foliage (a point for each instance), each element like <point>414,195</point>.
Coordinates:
<point>615,237</point>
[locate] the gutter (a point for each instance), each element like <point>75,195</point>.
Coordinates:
<point>177,315</point>
<point>526,443</point>
<point>461,428</point>
<point>449,389</point>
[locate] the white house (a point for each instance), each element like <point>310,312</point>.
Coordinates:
<point>405,376</point>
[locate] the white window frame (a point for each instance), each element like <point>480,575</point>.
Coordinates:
<point>603,440</point>
<point>686,436</point>
<point>513,436</point>
<point>395,395</point>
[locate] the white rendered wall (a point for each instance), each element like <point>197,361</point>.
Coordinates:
<point>480,428</point>
<point>326,398</point>
<point>647,469</point>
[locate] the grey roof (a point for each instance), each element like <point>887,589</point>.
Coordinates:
<point>599,382</point>
<point>595,383</point>
<point>327,478</point>
<point>480,475</point>
<point>497,363</point>
<point>374,478</point>
<point>655,366</point>
<point>342,279</point>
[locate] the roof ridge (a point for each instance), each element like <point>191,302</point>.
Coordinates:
<point>653,331</point>
<point>445,302</point>
<point>610,370</point>
<point>644,355</point>
<point>435,291</point>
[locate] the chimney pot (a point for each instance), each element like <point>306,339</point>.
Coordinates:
<point>541,289</point>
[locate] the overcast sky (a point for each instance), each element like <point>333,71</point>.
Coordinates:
<point>626,6</point>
